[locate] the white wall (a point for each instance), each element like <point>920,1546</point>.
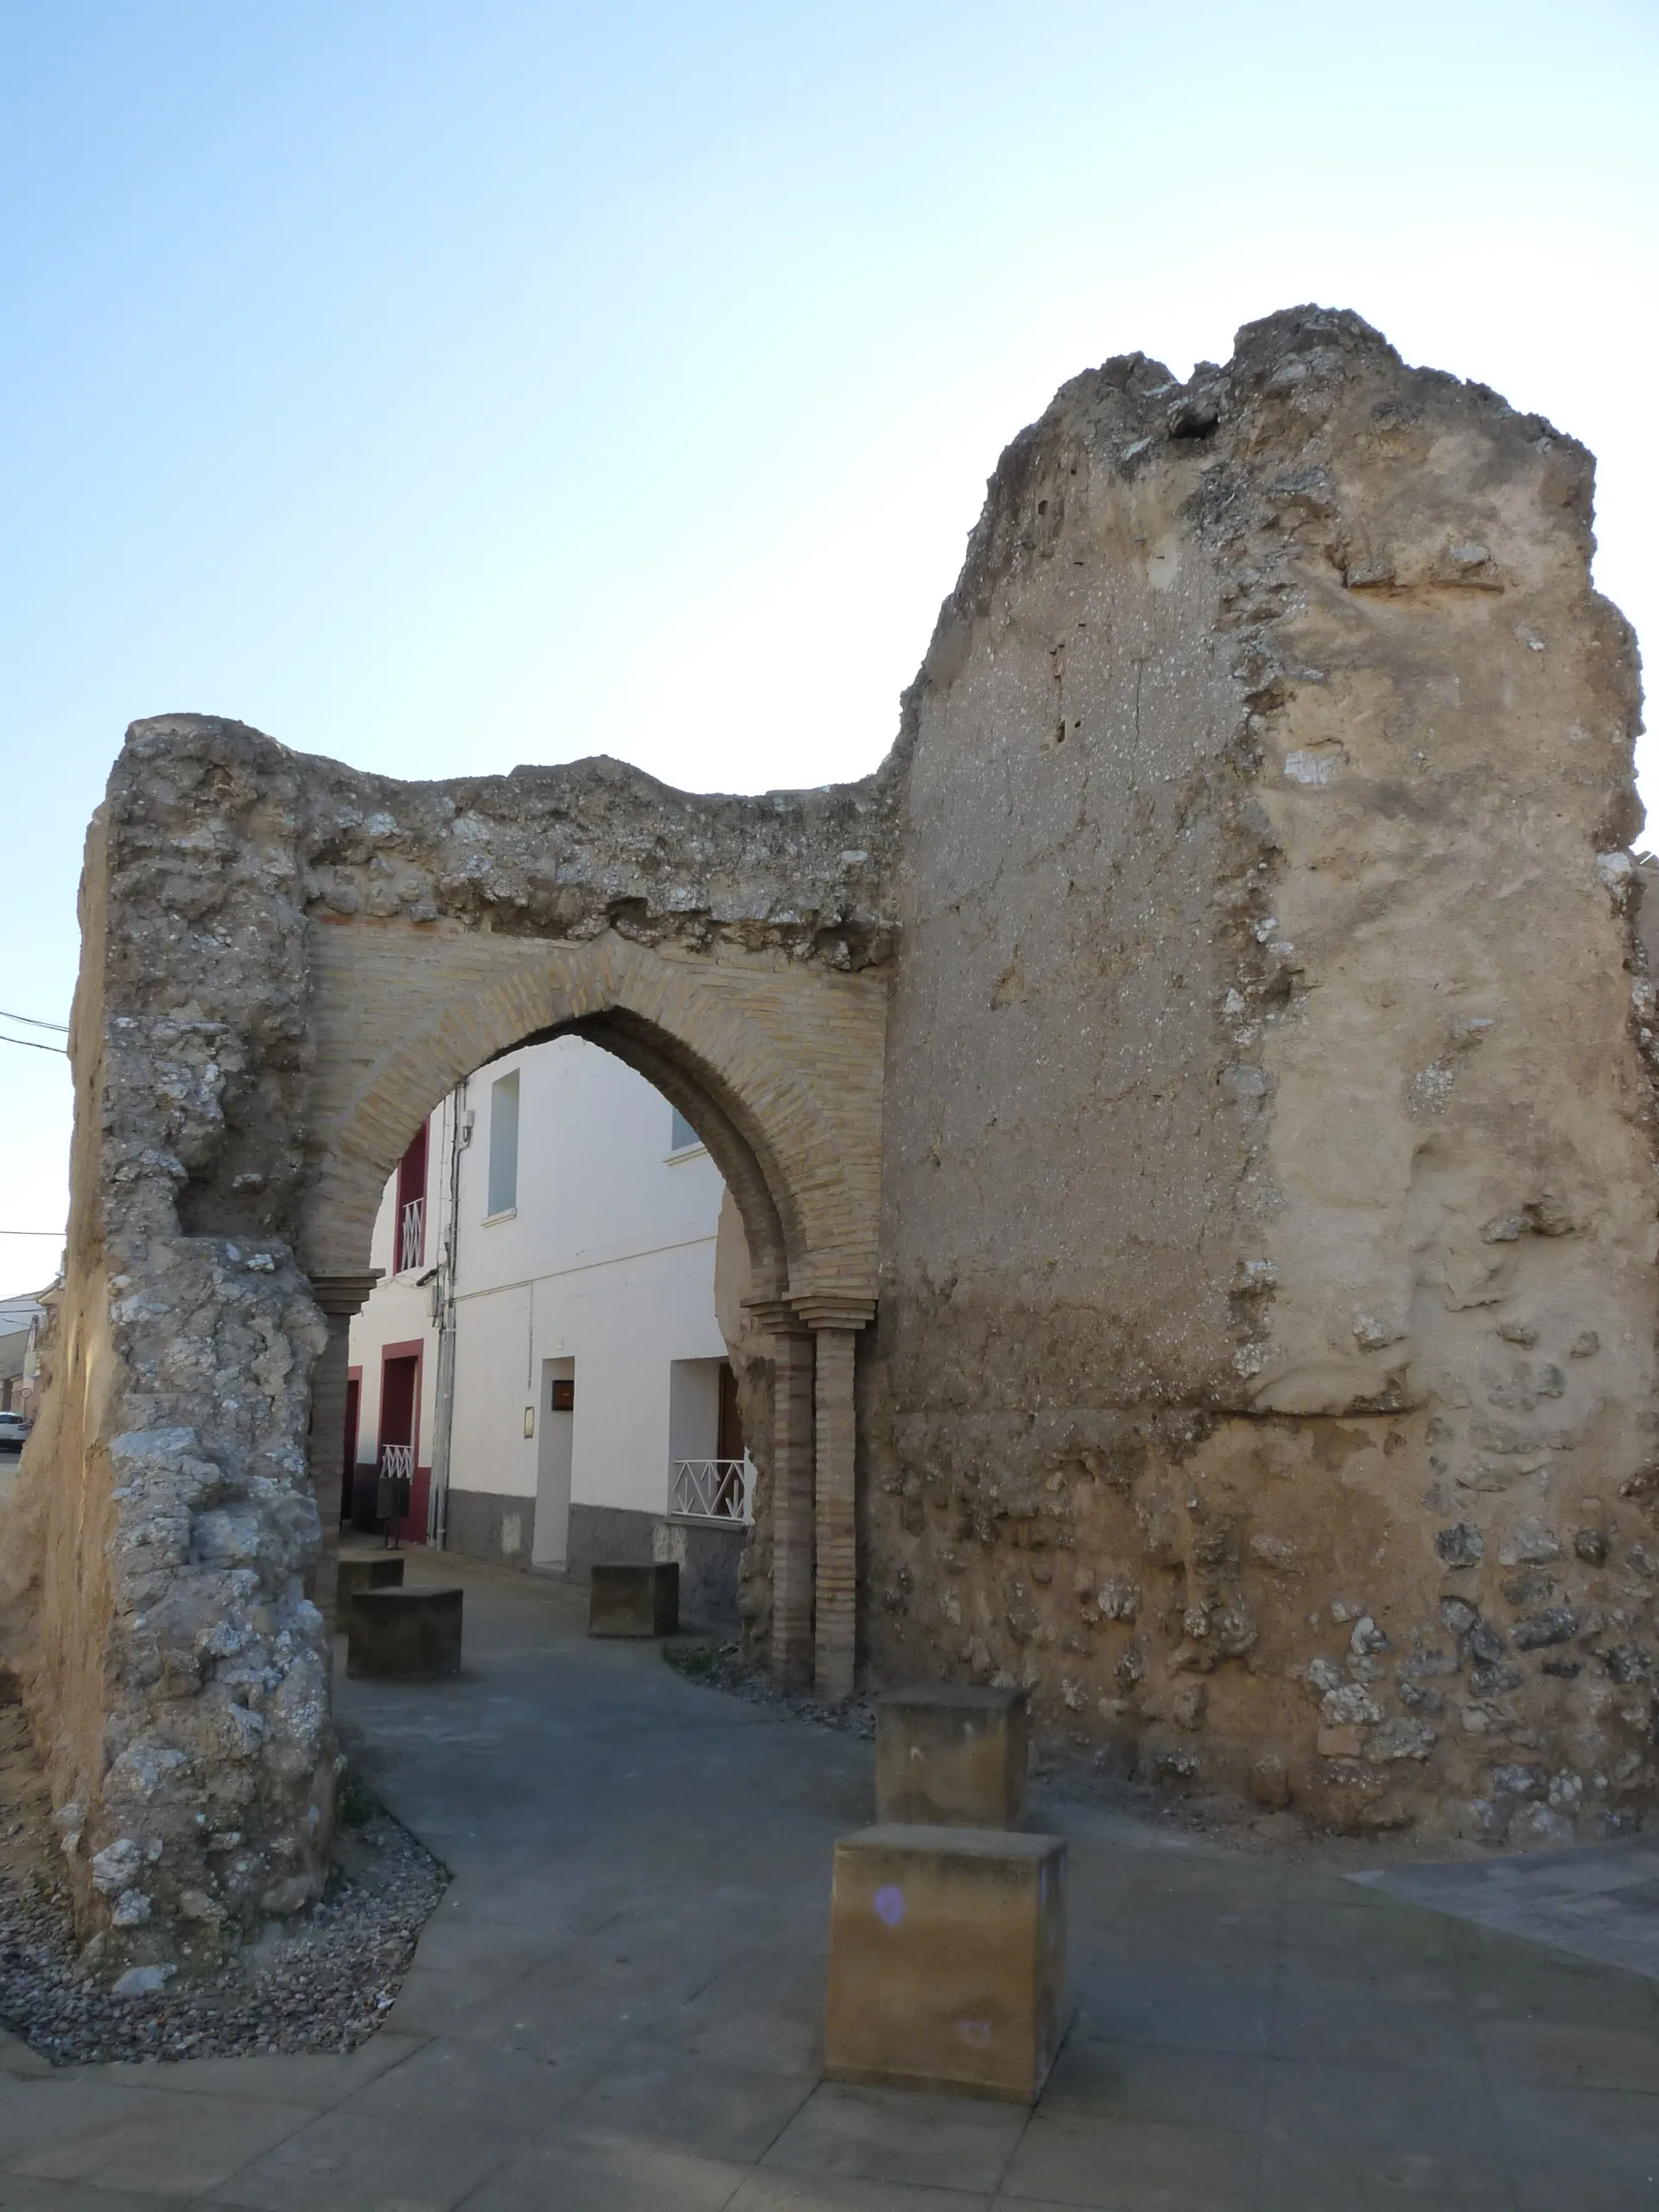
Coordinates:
<point>494,1364</point>
<point>693,1408</point>
<point>607,1259</point>
<point>595,1178</point>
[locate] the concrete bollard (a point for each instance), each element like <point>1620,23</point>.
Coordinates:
<point>408,1635</point>
<point>947,1960</point>
<point>352,1575</point>
<point>951,1758</point>
<point>634,1600</point>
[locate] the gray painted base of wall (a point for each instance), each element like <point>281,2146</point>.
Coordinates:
<point>483,1524</point>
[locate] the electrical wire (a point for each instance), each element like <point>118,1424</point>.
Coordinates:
<point>30,1046</point>
<point>29,1022</point>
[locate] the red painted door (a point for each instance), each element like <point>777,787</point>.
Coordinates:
<point>398,1447</point>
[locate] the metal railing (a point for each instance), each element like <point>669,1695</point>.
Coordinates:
<point>410,1239</point>
<point>712,1490</point>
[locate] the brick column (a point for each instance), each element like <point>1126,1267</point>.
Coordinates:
<point>835,1608</point>
<point>792,1500</point>
<point>339,1297</point>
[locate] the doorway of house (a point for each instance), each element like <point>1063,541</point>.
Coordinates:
<point>400,1396</point>
<point>729,1439</point>
<point>550,1538</point>
<point>707,1474</point>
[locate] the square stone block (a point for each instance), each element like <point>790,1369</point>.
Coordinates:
<point>951,1758</point>
<point>947,1960</point>
<point>634,1600</point>
<point>410,1635</point>
<point>354,1574</point>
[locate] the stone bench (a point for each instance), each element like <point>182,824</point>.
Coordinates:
<point>405,1635</point>
<point>352,1575</point>
<point>634,1600</point>
<point>947,1960</point>
<point>951,1758</point>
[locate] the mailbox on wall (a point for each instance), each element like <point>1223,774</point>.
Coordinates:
<point>564,1393</point>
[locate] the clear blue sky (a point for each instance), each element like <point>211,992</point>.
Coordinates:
<point>441,387</point>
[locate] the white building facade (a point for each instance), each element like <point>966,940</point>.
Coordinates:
<point>541,1362</point>
<point>21,1322</point>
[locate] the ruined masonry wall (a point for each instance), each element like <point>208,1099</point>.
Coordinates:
<point>163,1561</point>
<point>1265,1365</point>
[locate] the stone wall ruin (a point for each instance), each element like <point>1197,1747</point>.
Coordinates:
<point>1214,1048</point>
<point>1264,1368</point>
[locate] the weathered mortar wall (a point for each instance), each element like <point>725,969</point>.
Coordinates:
<point>174,1664</point>
<point>79,1502</point>
<point>1264,1369</point>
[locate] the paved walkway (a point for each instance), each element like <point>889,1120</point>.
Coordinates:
<point>1600,1903</point>
<point>617,2007</point>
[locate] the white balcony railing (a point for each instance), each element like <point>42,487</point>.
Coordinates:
<point>712,1489</point>
<point>408,1235</point>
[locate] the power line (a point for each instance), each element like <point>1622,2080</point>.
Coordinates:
<point>32,1232</point>
<point>29,1022</point>
<point>30,1046</point>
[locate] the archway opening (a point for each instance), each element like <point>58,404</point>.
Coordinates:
<point>543,1376</point>
<point>760,1123</point>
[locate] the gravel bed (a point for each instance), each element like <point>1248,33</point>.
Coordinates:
<point>322,1982</point>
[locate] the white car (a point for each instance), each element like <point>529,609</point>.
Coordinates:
<point>13,1429</point>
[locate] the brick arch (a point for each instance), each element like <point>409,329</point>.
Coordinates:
<point>777,1066</point>
<point>784,1154</point>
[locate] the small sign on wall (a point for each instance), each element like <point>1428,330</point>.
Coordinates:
<point>564,1393</point>
<point>529,1421</point>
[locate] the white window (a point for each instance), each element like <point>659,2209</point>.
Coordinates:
<point>504,1144</point>
<point>682,1137</point>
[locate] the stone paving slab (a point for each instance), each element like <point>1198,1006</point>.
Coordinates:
<point>91,2131</point>
<point>25,2193</point>
<point>16,2057</point>
<point>918,2136</point>
<point>618,2005</point>
<point>1602,1903</point>
<point>784,2192</point>
<point>561,2175</point>
<point>316,2080</point>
